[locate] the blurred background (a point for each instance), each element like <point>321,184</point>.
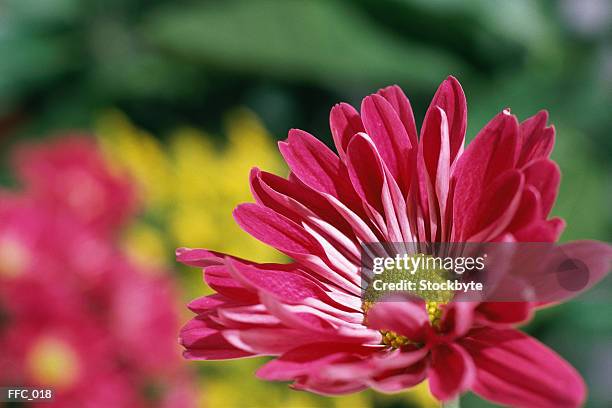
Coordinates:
<point>153,112</point>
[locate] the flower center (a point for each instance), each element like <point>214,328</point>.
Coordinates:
<point>53,362</point>
<point>434,300</point>
<point>394,340</point>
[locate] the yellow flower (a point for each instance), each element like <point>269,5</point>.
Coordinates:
<point>190,188</point>
<point>138,152</point>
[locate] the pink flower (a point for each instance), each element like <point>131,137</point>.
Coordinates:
<point>388,185</point>
<point>73,308</point>
<point>71,175</point>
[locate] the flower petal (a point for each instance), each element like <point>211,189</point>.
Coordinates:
<point>403,379</point>
<point>457,318</point>
<point>203,341</point>
<point>344,122</point>
<point>545,176</point>
<point>273,229</point>
<point>219,278</point>
<point>304,206</point>
<point>451,99</point>
<point>574,268</point>
<point>374,184</point>
<point>309,359</point>
<point>497,208</point>
<point>286,285</point>
<point>198,257</point>
<point>291,239</point>
<point>542,231</point>
<point>269,341</point>
<point>528,211</point>
<point>317,166</point>
<point>205,303</point>
<point>434,150</point>
<point>398,100</point>
<point>387,131</point>
<point>490,154</point>
<point>404,316</point>
<point>503,313</point>
<point>244,317</point>
<point>536,140</point>
<point>516,370</point>
<point>451,371</point>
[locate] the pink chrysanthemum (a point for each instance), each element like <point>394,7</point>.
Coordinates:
<point>73,307</point>
<point>386,184</point>
<point>70,174</point>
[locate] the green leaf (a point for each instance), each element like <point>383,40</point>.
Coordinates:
<point>28,60</point>
<point>522,22</point>
<point>323,41</point>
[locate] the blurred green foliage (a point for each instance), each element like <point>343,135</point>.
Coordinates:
<point>174,63</point>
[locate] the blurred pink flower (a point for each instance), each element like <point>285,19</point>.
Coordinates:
<point>388,185</point>
<point>71,173</point>
<point>73,308</point>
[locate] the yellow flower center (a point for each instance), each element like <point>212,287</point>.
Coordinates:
<point>434,300</point>
<point>394,340</point>
<point>54,363</point>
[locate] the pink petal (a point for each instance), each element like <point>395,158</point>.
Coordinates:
<point>341,259</point>
<point>208,353</point>
<point>309,359</point>
<point>273,229</point>
<point>516,370</point>
<point>542,231</point>
<point>387,131</point>
<point>528,211</point>
<point>203,341</point>
<point>498,206</point>
<point>545,176</point>
<point>364,231</point>
<point>302,205</point>
<point>403,316</point>
<point>288,286</point>
<point>451,371</point>
<point>374,184</point>
<point>401,380</point>
<point>340,249</point>
<point>328,388</point>
<point>435,153</point>
<point>451,99</point>
<point>317,166</point>
<point>504,313</point>
<point>206,303</point>
<point>218,278</point>
<point>490,154</point>
<point>203,258</point>
<point>269,341</point>
<point>365,172</point>
<point>396,359</point>
<point>457,318</point>
<point>245,317</point>
<point>198,257</point>
<point>326,325</point>
<point>344,122</point>
<point>537,140</point>
<point>575,267</point>
<point>388,371</point>
<point>400,103</point>
<point>291,239</point>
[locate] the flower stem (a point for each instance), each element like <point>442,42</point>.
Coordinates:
<point>454,403</point>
